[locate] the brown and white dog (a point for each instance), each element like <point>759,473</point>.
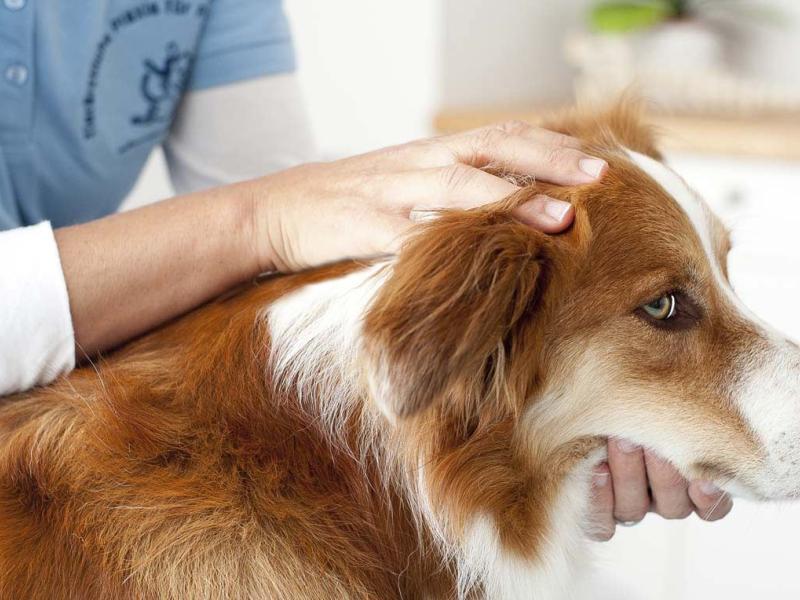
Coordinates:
<point>424,426</point>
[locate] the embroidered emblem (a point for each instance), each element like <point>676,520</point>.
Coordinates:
<point>162,85</point>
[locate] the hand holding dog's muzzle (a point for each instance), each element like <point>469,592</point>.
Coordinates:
<point>635,482</point>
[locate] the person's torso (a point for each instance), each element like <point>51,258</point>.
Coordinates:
<point>87,90</point>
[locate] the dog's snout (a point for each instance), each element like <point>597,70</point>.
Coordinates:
<point>769,400</point>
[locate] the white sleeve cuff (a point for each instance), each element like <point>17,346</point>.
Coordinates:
<point>37,343</point>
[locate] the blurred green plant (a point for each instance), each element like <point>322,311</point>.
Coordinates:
<point>621,16</point>
<point>624,17</point>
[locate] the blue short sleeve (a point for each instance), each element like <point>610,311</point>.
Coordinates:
<point>242,39</point>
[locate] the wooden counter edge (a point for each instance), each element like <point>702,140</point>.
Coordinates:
<point>769,137</point>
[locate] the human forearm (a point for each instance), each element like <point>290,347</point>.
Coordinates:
<point>130,272</point>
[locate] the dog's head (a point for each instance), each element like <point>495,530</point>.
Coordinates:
<point>500,343</point>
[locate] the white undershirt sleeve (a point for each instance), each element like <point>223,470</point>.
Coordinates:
<point>37,343</point>
<point>238,131</point>
<point>221,135</point>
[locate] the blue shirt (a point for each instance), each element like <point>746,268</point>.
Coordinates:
<point>89,87</point>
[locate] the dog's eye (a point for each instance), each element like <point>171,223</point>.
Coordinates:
<point>662,308</point>
<point>675,311</point>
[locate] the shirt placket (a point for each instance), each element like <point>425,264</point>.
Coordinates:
<point>17,62</point>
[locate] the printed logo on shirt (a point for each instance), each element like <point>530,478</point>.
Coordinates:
<point>137,75</point>
<point>162,84</point>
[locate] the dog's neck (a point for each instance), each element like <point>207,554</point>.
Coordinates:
<point>315,337</point>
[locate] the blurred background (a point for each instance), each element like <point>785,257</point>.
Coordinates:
<point>722,79</point>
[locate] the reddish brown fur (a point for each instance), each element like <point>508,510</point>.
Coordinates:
<point>176,446</point>
<point>174,470</point>
<point>421,319</point>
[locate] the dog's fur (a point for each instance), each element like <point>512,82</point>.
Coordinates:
<point>423,426</point>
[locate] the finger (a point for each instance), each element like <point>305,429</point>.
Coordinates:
<point>555,163</point>
<point>668,489</point>
<point>455,186</point>
<point>437,151</point>
<point>543,213</point>
<point>539,134</point>
<point>629,477</point>
<point>710,502</point>
<point>546,214</point>
<point>601,524</point>
<point>464,187</point>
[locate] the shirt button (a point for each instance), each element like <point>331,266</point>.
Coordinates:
<point>14,4</point>
<point>17,74</point>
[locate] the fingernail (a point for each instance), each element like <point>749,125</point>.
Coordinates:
<point>593,167</point>
<point>556,209</point>
<point>709,489</point>
<point>626,446</point>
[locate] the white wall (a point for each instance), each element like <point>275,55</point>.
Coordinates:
<point>507,53</point>
<point>369,69</point>
<point>510,53</point>
<point>767,47</point>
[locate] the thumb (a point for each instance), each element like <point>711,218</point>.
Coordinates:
<point>546,214</point>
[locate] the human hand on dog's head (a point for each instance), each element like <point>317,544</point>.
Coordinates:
<point>364,205</point>
<point>375,197</point>
<point>634,482</point>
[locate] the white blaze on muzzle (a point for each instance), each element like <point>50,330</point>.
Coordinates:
<point>765,382</point>
<point>769,399</point>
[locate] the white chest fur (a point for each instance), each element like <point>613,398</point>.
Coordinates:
<point>315,334</point>
<point>552,575</point>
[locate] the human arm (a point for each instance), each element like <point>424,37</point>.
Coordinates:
<point>129,272</point>
<point>188,249</point>
<point>132,271</point>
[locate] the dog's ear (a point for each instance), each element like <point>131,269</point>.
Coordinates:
<point>621,124</point>
<point>438,326</point>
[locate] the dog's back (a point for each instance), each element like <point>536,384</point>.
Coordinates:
<point>172,470</point>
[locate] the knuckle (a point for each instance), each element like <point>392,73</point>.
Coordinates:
<point>491,137</point>
<point>456,176</point>
<point>515,126</point>
<point>434,148</point>
<point>556,156</point>
<point>481,144</point>
<point>565,141</point>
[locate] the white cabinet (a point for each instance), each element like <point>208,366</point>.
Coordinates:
<point>752,553</point>
<point>760,202</point>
